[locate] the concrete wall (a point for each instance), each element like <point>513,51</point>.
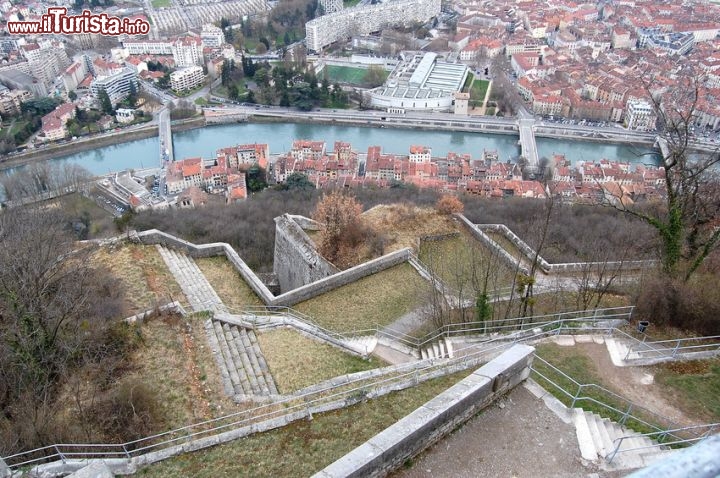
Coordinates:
<point>342,278</point>
<point>478,234</point>
<point>296,261</point>
<point>547,267</point>
<point>409,436</point>
<point>328,283</point>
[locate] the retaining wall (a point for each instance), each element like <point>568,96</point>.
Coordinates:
<point>409,436</point>
<point>154,236</point>
<point>547,267</point>
<point>296,262</point>
<point>478,234</point>
<point>342,278</point>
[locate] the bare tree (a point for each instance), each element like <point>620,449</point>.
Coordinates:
<point>687,221</point>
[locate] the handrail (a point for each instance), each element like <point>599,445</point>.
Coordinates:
<point>710,428</point>
<point>658,347</point>
<point>303,402</point>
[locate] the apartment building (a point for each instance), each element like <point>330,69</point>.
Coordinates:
<point>327,29</point>
<point>117,86</point>
<point>187,78</point>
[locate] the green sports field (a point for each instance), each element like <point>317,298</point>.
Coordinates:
<point>344,74</point>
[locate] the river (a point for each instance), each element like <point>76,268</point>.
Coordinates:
<point>205,141</point>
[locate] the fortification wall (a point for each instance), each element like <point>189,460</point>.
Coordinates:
<point>392,447</point>
<point>296,261</point>
<point>478,234</point>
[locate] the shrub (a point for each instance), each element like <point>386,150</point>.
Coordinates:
<point>449,204</point>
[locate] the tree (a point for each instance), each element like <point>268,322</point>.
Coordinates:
<point>105,103</point>
<point>687,222</point>
<point>72,96</point>
<point>340,215</point>
<point>54,311</point>
<point>298,181</point>
<point>449,204</point>
<point>225,72</point>
<point>375,76</point>
<point>256,178</point>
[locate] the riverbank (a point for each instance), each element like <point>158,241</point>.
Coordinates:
<point>88,144</point>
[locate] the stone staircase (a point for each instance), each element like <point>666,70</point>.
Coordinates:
<point>441,348</point>
<point>596,437</point>
<point>362,344</point>
<point>242,365</point>
<point>193,283</point>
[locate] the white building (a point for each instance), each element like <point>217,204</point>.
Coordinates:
<point>327,29</point>
<point>420,82</point>
<point>150,47</point>
<point>640,115</point>
<point>187,78</point>
<point>124,115</point>
<point>212,36</point>
<point>331,6</point>
<point>187,52</point>
<point>117,86</point>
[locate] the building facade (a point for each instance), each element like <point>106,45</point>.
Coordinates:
<point>187,78</point>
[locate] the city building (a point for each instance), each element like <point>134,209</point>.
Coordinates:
<point>18,80</point>
<point>420,82</point>
<point>187,78</point>
<point>10,101</point>
<point>74,75</point>
<point>640,116</point>
<point>47,61</point>
<point>212,36</point>
<point>187,52</point>
<point>331,6</point>
<point>327,29</point>
<point>124,115</point>
<point>117,86</point>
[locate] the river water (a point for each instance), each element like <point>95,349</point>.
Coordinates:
<point>205,141</point>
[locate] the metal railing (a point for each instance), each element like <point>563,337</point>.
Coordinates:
<point>401,376</point>
<point>303,405</point>
<point>672,347</point>
<point>660,437</point>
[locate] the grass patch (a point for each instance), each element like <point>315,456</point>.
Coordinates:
<point>143,274</point>
<point>695,385</point>
<point>350,3</point>
<point>201,101</point>
<point>582,369</point>
<point>177,363</point>
<point>556,302</point>
<point>506,244</point>
<point>227,282</point>
<point>463,263</point>
<point>378,299</point>
<point>306,446</point>
<point>490,111</point>
<point>297,362</point>
<point>160,3</point>
<point>347,74</point>
<point>478,90</point>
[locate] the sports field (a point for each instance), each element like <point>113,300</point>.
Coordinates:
<point>344,74</point>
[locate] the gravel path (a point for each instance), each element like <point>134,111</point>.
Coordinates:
<point>518,436</point>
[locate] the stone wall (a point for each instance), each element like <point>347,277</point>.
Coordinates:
<point>392,447</point>
<point>478,234</point>
<point>548,268</point>
<point>342,278</point>
<point>296,261</point>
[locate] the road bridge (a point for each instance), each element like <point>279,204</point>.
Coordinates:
<point>165,136</point>
<point>528,146</point>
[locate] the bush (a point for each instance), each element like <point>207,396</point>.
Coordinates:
<point>693,305</point>
<point>449,204</point>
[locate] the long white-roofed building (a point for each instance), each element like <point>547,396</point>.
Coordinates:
<point>327,29</point>
<point>422,81</point>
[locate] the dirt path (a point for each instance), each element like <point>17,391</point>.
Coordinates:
<point>515,437</point>
<point>636,384</point>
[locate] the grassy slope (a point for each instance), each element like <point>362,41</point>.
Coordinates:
<point>227,282</point>
<point>297,362</point>
<point>378,299</point>
<point>304,447</point>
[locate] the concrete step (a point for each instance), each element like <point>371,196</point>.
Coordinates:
<point>250,385</point>
<point>261,387</point>
<point>227,358</point>
<point>219,360</point>
<point>586,442</point>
